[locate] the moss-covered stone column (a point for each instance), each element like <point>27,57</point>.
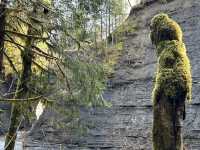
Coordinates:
<point>173,83</point>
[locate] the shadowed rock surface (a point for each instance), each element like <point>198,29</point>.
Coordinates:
<point>127,124</point>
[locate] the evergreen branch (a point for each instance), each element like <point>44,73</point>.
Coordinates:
<point>8,24</point>
<point>25,35</point>
<point>50,45</point>
<point>23,21</point>
<point>20,26</point>
<point>73,38</point>
<point>21,100</point>
<point>35,63</point>
<point>15,43</point>
<point>38,92</point>
<point>67,81</point>
<point>44,54</point>
<point>11,63</point>
<point>32,99</point>
<point>40,67</point>
<point>60,69</point>
<point>36,20</point>
<point>16,10</point>
<point>12,93</point>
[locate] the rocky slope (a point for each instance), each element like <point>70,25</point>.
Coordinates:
<point>127,124</point>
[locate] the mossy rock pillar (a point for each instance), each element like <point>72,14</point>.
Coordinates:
<point>173,83</point>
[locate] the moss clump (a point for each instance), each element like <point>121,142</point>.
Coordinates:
<point>173,83</point>
<point>164,28</point>
<point>173,76</point>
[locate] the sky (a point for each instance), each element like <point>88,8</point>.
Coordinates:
<point>133,2</point>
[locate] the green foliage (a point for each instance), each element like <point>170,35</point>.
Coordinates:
<point>126,28</point>
<point>87,81</point>
<point>62,68</point>
<point>53,40</point>
<point>78,18</point>
<point>112,53</point>
<point>111,56</point>
<point>116,6</point>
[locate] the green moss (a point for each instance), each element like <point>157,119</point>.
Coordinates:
<point>164,28</point>
<point>173,71</point>
<point>173,83</point>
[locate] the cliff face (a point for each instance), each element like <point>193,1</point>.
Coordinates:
<point>127,125</point>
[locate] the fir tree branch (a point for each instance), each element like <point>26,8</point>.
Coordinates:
<point>13,42</point>
<point>67,81</point>
<point>25,35</point>
<point>21,100</point>
<point>12,93</point>
<point>32,99</point>
<point>11,63</point>
<point>23,21</point>
<point>44,54</point>
<point>40,67</point>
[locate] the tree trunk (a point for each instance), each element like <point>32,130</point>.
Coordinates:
<point>2,33</point>
<point>112,32</point>
<point>95,34</point>
<point>167,126</point>
<point>16,117</point>
<point>106,26</point>
<point>109,20</point>
<point>101,25</point>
